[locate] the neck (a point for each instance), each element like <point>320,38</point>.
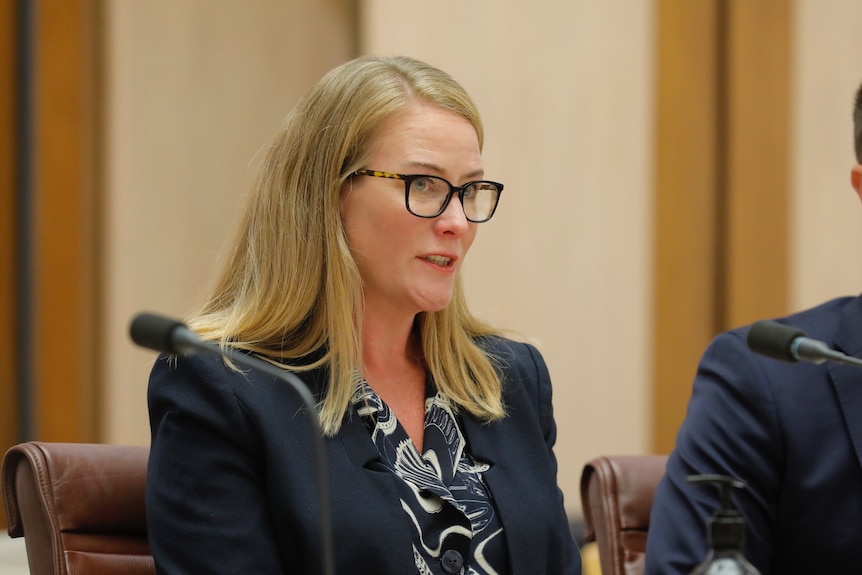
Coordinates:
<point>393,367</point>
<point>388,344</point>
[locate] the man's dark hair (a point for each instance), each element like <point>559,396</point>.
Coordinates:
<point>857,125</point>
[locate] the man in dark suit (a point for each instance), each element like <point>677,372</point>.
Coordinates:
<point>792,432</point>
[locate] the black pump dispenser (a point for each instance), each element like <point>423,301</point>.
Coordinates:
<point>726,535</point>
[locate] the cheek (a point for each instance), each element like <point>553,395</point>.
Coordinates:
<point>355,217</point>
<point>469,237</point>
<point>374,231</point>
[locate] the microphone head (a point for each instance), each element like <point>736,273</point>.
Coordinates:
<point>159,333</point>
<point>773,339</point>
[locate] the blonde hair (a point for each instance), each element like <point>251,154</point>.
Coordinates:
<point>289,288</point>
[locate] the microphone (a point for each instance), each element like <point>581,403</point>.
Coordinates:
<point>173,337</point>
<point>164,334</point>
<point>787,343</point>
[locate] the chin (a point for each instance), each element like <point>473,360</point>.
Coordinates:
<point>436,304</point>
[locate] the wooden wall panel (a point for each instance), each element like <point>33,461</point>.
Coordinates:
<point>685,205</point>
<point>758,166</point>
<point>64,204</point>
<point>722,184</point>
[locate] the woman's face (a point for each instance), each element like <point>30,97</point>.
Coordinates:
<point>408,264</point>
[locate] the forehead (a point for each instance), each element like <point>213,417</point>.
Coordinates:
<point>423,131</point>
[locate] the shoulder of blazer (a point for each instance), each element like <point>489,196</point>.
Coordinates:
<point>522,369</point>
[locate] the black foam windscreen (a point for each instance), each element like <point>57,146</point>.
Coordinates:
<point>155,332</point>
<point>773,339</point>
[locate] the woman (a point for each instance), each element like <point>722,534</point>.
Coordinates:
<point>439,432</point>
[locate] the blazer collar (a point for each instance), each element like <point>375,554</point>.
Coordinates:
<point>353,435</point>
<point>848,379</point>
<point>357,441</point>
<point>482,439</point>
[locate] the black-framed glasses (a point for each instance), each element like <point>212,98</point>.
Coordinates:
<point>428,196</point>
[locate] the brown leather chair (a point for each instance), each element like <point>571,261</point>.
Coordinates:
<point>79,507</point>
<point>617,494</point>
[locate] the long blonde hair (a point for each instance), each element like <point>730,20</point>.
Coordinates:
<point>289,288</point>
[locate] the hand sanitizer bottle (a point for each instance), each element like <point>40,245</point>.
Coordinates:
<point>726,531</point>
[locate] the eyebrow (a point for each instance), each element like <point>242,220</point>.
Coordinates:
<point>480,173</point>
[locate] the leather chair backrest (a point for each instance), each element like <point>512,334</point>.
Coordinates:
<point>80,507</point>
<point>617,494</point>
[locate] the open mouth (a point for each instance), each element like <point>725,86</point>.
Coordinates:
<point>439,260</point>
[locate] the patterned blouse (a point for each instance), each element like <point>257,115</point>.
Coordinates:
<point>456,526</point>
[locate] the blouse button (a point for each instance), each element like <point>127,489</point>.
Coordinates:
<point>452,561</point>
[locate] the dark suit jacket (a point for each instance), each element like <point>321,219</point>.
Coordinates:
<point>231,480</point>
<point>793,432</point>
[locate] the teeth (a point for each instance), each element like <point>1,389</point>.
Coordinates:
<point>439,260</point>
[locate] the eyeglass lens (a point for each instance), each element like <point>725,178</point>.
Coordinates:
<point>427,195</point>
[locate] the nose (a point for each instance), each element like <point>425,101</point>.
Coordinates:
<point>453,219</point>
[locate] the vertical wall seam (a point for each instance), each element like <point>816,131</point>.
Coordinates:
<point>24,232</point>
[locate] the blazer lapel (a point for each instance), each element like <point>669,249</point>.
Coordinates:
<point>481,441</point>
<point>847,379</point>
<point>357,443</point>
<point>491,444</point>
<point>353,435</point>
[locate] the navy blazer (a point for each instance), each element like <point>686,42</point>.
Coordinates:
<point>793,433</point>
<point>231,478</point>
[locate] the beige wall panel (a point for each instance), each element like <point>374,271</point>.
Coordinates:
<point>565,91</point>
<point>194,88</point>
<point>826,221</point>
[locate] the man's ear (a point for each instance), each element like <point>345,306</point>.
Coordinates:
<point>856,179</point>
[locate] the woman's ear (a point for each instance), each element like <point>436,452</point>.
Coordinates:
<point>856,179</point>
